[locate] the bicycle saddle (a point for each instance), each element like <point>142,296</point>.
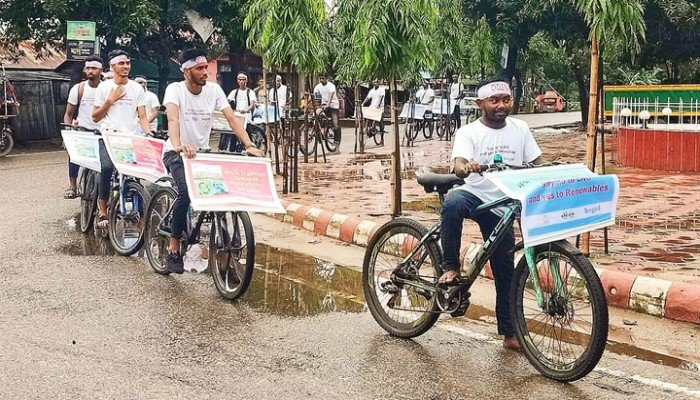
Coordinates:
<point>440,183</point>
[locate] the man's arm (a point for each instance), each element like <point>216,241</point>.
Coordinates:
<point>143,120</point>
<point>463,167</point>
<point>115,94</point>
<point>238,130</point>
<point>173,113</point>
<point>152,114</point>
<point>68,116</point>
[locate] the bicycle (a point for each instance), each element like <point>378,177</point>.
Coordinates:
<point>86,187</point>
<point>6,140</point>
<point>375,130</point>
<point>231,240</point>
<point>552,285</point>
<point>317,130</point>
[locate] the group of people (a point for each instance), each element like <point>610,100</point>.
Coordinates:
<point>121,103</point>
<point>425,95</point>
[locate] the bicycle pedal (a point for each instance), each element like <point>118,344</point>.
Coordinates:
<point>463,305</point>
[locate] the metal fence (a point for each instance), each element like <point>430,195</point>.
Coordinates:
<point>656,114</point>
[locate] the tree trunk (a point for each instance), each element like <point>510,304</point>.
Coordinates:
<point>590,131</point>
<point>395,156</point>
<point>582,96</point>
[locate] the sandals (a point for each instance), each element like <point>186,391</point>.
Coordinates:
<point>70,193</point>
<point>102,222</point>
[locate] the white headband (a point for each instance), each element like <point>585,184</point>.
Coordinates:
<point>493,89</point>
<point>241,76</point>
<point>93,64</point>
<point>193,63</point>
<point>118,59</point>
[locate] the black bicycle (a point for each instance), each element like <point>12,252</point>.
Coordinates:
<point>86,187</point>
<point>231,250</point>
<point>557,301</point>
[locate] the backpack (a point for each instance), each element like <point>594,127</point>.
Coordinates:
<point>81,90</point>
<point>235,96</point>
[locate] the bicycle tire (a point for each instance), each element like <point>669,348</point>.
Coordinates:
<point>440,127</point>
<point>308,148</point>
<point>378,134</point>
<point>222,271</point>
<point>329,139</point>
<point>524,331</point>
<point>158,208</point>
<point>427,130</point>
<point>88,199</point>
<point>8,143</point>
<point>427,318</point>
<point>126,249</point>
<point>411,130</point>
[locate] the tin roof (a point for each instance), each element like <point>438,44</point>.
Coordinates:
<point>26,57</point>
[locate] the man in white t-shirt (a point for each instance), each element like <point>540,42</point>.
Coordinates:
<point>326,91</point>
<point>425,95</point>
<point>281,91</point>
<point>476,144</point>
<point>375,97</point>
<point>456,95</point>
<point>80,98</point>
<point>189,105</point>
<point>120,105</point>
<point>242,101</point>
<point>152,105</point>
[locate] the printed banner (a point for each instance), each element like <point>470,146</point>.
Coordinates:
<point>137,156</point>
<point>83,148</point>
<point>218,182</point>
<point>440,106</point>
<point>262,117</point>
<point>372,114</point>
<point>418,111</point>
<point>560,201</point>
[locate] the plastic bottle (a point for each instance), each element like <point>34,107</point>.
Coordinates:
<point>471,255</point>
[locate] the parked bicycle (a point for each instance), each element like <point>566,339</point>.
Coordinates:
<point>86,187</point>
<point>557,301</point>
<point>317,129</point>
<point>231,249</point>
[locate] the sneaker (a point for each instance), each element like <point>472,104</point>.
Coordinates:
<point>174,263</point>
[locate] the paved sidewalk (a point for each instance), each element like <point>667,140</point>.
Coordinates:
<point>654,259</point>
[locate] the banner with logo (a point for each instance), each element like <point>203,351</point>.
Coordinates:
<point>560,201</point>
<point>222,182</point>
<point>440,106</point>
<point>80,39</point>
<point>137,156</point>
<point>418,111</point>
<point>83,148</point>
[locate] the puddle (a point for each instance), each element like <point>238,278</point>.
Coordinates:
<point>288,283</point>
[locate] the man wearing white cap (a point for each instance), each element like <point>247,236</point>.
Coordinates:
<point>119,106</point>
<point>81,98</point>
<point>189,105</point>
<point>242,101</point>
<point>475,144</point>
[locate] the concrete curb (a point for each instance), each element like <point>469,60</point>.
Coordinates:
<point>672,300</point>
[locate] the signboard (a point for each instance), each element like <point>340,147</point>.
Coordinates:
<point>80,37</point>
<point>418,111</point>
<point>560,201</point>
<point>218,182</point>
<point>137,156</point>
<point>372,114</point>
<point>83,148</point>
<point>440,106</point>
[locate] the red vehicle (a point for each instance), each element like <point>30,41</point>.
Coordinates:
<point>550,101</point>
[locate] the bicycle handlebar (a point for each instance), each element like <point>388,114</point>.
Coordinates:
<point>79,128</point>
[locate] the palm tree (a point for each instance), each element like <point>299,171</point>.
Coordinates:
<point>619,23</point>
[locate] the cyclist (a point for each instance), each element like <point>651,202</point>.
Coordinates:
<point>331,106</point>
<point>189,105</point>
<point>375,98</point>
<point>426,95</point>
<point>81,98</point>
<point>475,144</point>
<point>243,101</point>
<point>120,105</point>
<point>456,94</point>
<point>152,105</point>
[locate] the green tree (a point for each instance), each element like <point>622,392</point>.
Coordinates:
<point>483,49</point>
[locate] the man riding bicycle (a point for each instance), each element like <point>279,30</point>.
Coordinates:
<point>189,105</point>
<point>120,105</point>
<point>331,105</point>
<point>475,144</point>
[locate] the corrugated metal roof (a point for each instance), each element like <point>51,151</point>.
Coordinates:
<point>26,57</point>
<point>34,75</point>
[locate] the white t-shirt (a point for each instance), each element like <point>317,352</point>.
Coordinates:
<point>195,112</point>
<point>329,95</point>
<point>425,96</point>
<point>377,96</point>
<point>282,93</point>
<point>122,115</point>
<point>456,90</point>
<point>244,99</point>
<point>479,143</point>
<point>151,103</point>
<point>85,107</point>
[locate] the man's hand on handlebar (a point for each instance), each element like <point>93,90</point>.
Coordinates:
<point>254,151</point>
<point>187,151</point>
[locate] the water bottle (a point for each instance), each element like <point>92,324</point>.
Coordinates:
<point>129,206</point>
<point>471,255</point>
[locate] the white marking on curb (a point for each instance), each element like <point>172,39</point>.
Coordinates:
<point>310,218</point>
<point>38,153</point>
<point>670,387</point>
<point>361,236</point>
<point>336,221</point>
<point>666,386</point>
<point>291,208</point>
<point>648,295</point>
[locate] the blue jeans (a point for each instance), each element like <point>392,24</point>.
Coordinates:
<point>457,207</point>
<point>173,162</point>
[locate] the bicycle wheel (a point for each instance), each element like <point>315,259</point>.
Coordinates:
<point>440,127</point>
<point>308,148</point>
<point>126,227</point>
<point>88,199</point>
<point>378,136</point>
<point>158,224</point>
<point>232,253</point>
<point>565,339</point>
<point>7,142</point>
<point>329,138</point>
<point>402,310</point>
<point>427,129</point>
<point>257,136</point>
<point>409,130</point>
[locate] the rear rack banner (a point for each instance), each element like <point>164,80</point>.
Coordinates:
<point>560,201</point>
<point>222,182</point>
<point>83,148</point>
<point>137,156</point>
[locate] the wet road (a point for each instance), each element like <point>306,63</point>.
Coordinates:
<point>80,324</point>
